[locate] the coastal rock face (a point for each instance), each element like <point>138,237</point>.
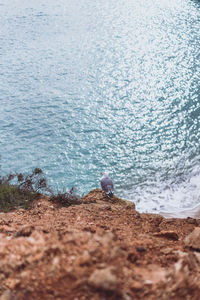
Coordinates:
<point>100,249</point>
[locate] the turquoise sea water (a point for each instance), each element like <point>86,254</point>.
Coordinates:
<point>88,86</point>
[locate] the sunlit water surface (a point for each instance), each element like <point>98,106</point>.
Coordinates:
<point>88,86</point>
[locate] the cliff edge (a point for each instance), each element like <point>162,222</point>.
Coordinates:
<point>100,249</point>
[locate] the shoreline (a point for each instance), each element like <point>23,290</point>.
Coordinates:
<point>100,249</point>
<point>193,212</point>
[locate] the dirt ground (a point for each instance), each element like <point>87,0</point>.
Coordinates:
<point>101,249</point>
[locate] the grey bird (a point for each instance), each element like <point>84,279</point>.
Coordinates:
<point>107,185</point>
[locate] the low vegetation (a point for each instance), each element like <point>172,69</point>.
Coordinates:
<point>18,191</point>
<point>66,198</point>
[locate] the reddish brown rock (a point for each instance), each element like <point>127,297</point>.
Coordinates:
<point>103,279</point>
<point>101,249</point>
<point>192,240</point>
<point>171,235</point>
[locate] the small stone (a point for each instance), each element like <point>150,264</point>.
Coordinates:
<point>26,230</point>
<point>103,279</point>
<point>102,266</point>
<point>85,259</point>
<point>107,207</point>
<point>171,235</point>
<point>132,257</point>
<point>13,283</point>
<point>193,239</point>
<point>192,221</point>
<point>116,252</point>
<point>137,285</point>
<point>166,251</point>
<point>141,249</point>
<point>130,206</point>
<point>7,295</point>
<point>126,296</point>
<point>148,282</point>
<point>25,274</point>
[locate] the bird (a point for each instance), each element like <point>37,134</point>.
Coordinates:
<point>107,184</point>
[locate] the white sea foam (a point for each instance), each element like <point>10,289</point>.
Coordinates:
<point>167,197</point>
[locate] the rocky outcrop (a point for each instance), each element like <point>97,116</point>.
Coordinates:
<point>100,249</point>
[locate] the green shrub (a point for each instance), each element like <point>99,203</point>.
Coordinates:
<point>18,190</point>
<point>11,196</point>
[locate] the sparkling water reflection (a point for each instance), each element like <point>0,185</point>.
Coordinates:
<point>94,85</point>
